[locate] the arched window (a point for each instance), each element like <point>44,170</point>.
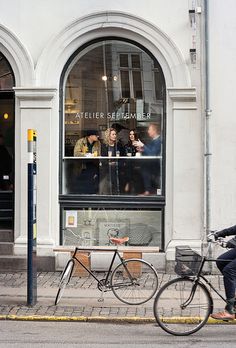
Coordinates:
<point>6,75</point>
<point>113,142</point>
<point>113,88</point>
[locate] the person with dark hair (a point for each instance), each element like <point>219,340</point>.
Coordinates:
<point>5,166</point>
<point>130,149</point>
<point>132,178</point>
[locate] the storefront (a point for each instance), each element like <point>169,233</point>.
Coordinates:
<point>113,95</point>
<point>119,149</point>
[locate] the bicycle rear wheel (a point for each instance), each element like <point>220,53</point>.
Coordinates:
<point>182,307</point>
<point>65,278</point>
<point>134,281</point>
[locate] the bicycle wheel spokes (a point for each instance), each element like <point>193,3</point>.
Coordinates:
<point>134,282</point>
<point>65,278</point>
<point>180,308</point>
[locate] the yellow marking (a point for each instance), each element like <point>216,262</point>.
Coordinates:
<point>32,135</point>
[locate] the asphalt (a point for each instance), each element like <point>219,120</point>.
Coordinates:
<point>79,302</point>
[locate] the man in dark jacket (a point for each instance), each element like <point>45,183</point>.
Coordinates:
<point>228,269</point>
<point>151,169</point>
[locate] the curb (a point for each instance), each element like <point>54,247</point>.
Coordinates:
<point>130,320</point>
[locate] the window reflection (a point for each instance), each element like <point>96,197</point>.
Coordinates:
<point>113,122</point>
<point>90,227</point>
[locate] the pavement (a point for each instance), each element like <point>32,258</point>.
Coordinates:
<point>79,301</point>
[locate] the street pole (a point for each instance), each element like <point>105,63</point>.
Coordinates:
<point>32,227</point>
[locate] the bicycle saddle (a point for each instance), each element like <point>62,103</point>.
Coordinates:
<point>119,241</point>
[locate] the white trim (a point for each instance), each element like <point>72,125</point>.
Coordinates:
<point>17,55</point>
<point>111,23</point>
<point>182,94</point>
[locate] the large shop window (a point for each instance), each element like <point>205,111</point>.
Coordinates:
<point>113,122</point>
<point>89,227</point>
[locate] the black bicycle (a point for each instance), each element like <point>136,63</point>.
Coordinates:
<point>183,305</point>
<point>133,281</point>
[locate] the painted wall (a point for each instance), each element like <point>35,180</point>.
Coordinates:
<point>222,101</point>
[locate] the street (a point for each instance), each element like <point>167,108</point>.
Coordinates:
<point>63,334</point>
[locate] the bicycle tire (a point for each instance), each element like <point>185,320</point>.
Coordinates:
<point>182,321</point>
<point>134,281</point>
<point>65,278</point>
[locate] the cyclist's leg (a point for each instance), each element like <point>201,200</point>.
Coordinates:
<point>228,255</point>
<point>229,273</point>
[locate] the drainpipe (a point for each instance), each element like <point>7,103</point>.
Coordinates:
<point>208,154</point>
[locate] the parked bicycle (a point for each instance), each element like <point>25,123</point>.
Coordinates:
<point>133,281</point>
<point>190,304</point>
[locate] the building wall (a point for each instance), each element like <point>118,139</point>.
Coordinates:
<point>38,40</point>
<point>223,121</point>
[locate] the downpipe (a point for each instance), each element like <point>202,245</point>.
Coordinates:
<point>208,114</point>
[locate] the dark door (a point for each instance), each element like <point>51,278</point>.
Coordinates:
<point>7,135</point>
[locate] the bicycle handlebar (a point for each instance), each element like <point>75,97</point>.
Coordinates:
<point>220,240</point>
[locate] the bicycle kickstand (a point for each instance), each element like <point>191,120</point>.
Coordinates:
<point>101,298</point>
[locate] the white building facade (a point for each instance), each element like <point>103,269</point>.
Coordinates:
<point>82,67</point>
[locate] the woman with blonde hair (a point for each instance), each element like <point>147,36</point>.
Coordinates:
<point>110,169</point>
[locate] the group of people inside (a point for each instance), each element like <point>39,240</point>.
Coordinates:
<point>120,177</point>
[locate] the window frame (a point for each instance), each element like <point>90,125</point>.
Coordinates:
<point>73,201</point>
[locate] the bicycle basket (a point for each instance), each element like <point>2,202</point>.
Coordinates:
<point>187,260</point>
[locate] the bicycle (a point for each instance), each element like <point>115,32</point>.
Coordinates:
<point>133,281</point>
<point>191,305</point>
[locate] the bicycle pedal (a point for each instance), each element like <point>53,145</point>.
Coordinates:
<point>101,300</point>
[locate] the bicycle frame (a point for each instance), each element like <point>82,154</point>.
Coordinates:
<point>197,280</point>
<point>116,253</point>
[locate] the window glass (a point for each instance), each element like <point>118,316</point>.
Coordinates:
<point>137,83</point>
<point>125,84</point>
<point>89,227</point>
<point>113,122</point>
<point>135,58</point>
<point>124,63</point>
<point>6,76</point>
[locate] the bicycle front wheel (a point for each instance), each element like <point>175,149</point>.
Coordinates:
<point>65,278</point>
<point>134,281</point>
<point>182,307</point>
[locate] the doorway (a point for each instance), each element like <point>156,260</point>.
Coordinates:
<point>7,137</point>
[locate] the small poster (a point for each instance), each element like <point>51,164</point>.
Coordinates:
<point>71,218</point>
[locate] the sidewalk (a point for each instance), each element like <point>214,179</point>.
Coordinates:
<point>79,301</point>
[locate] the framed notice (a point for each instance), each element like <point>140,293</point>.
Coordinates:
<point>71,219</point>
<point>111,228</point>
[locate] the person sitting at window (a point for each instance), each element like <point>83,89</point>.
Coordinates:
<point>87,177</point>
<point>132,177</point>
<point>130,149</point>
<point>153,148</point>
<point>88,146</point>
<point>110,171</point>
<point>151,170</point>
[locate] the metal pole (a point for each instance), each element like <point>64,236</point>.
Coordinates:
<point>208,112</point>
<point>208,116</point>
<point>32,230</point>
